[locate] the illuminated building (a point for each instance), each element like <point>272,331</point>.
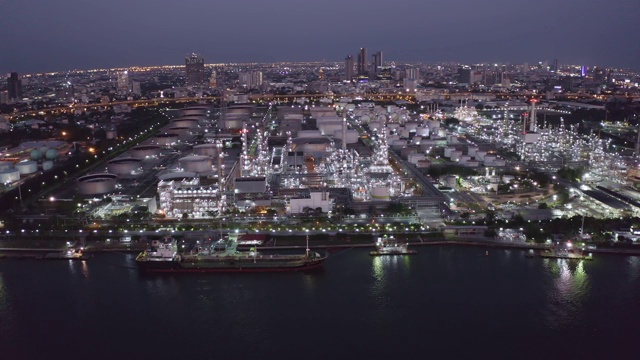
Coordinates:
<point>194,67</point>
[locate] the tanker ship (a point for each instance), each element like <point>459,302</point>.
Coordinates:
<point>221,256</point>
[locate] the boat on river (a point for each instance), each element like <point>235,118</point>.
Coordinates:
<point>222,256</point>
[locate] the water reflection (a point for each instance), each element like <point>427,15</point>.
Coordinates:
<point>6,314</point>
<point>634,268</point>
<point>386,266</point>
<point>567,298</point>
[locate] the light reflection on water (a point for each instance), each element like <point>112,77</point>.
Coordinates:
<point>566,300</point>
<point>385,270</point>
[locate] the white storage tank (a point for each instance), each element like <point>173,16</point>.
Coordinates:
<point>27,167</point>
<point>124,166</point>
<point>187,122</point>
<point>9,175</point>
<point>352,136</point>
<point>5,165</point>
<point>380,193</point>
<point>448,151</point>
<point>47,165</point>
<point>422,131</point>
<point>205,149</point>
<point>166,139</point>
<point>145,151</point>
<point>97,184</point>
<point>196,163</point>
<point>181,131</point>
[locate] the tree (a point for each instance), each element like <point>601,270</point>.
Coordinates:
<point>185,216</point>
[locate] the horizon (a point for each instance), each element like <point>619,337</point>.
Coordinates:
<point>50,36</point>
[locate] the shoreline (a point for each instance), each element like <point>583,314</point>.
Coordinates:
<point>136,247</point>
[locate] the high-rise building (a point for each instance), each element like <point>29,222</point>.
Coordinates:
<point>250,80</point>
<point>412,73</point>
<point>194,67</point>
<point>14,86</point>
<point>376,62</point>
<point>348,68</point>
<point>363,66</point>
<point>554,67</point>
<point>464,75</point>
<point>123,86</point>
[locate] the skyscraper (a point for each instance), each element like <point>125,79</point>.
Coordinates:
<point>194,67</point>
<point>123,82</point>
<point>348,68</point>
<point>554,67</point>
<point>376,62</point>
<point>14,85</point>
<point>363,67</point>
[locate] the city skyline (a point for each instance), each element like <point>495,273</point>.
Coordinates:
<point>61,36</point>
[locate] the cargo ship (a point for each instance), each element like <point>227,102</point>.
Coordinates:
<point>221,256</point>
<point>389,246</point>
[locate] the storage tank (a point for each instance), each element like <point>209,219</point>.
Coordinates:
<point>380,193</point>
<point>205,149</point>
<point>187,122</point>
<point>145,151</point>
<point>448,151</point>
<point>47,165</point>
<point>97,184</point>
<point>166,139</point>
<point>196,163</point>
<point>182,131</point>
<point>422,131</point>
<point>352,136</point>
<point>5,165</point>
<point>35,154</point>
<point>27,167</point>
<point>9,175</point>
<point>51,154</point>
<point>124,166</point>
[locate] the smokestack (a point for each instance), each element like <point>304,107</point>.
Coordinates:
<point>533,121</point>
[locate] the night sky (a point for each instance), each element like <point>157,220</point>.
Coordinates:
<point>46,35</point>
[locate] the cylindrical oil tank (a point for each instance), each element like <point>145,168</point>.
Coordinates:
<point>196,163</point>
<point>145,151</point>
<point>166,139</point>
<point>124,166</point>
<point>352,136</point>
<point>380,193</point>
<point>97,184</point>
<point>51,154</point>
<point>205,149</point>
<point>35,154</point>
<point>181,131</point>
<point>185,122</point>
<point>47,165</point>
<point>27,167</point>
<point>232,123</point>
<point>422,131</point>
<point>5,165</point>
<point>9,175</point>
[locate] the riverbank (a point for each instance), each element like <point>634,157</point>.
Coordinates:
<point>39,248</point>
